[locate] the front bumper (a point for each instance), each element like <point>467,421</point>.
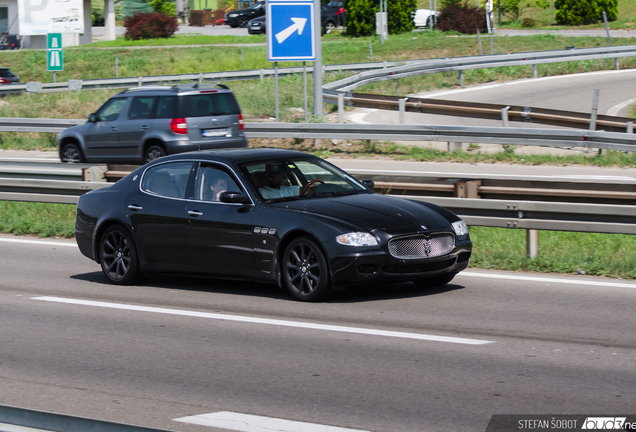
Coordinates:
<point>378,265</point>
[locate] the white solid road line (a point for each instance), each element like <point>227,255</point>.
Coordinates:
<point>38,242</point>
<point>549,280</point>
<point>252,423</point>
<point>266,321</point>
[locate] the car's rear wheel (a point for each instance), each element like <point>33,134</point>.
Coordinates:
<point>242,21</point>
<point>118,256</point>
<point>71,153</point>
<point>329,26</point>
<point>154,152</point>
<point>435,281</point>
<point>305,272</point>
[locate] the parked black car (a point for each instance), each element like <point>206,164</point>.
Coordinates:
<point>328,18</point>
<point>268,215</point>
<point>240,18</point>
<point>257,25</point>
<point>143,123</point>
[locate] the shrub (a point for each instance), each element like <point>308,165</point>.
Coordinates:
<point>462,18</point>
<point>150,25</point>
<point>528,22</point>
<point>360,18</point>
<point>582,12</point>
<point>400,15</point>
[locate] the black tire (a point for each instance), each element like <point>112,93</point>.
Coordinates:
<point>118,256</point>
<point>242,22</point>
<point>154,152</point>
<point>435,281</point>
<point>71,153</point>
<point>305,272</point>
<point>329,26</point>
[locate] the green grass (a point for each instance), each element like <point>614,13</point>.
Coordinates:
<point>494,248</point>
<point>43,220</point>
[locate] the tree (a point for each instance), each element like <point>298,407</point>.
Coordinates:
<point>167,7</point>
<point>582,12</point>
<point>97,12</point>
<point>361,16</point>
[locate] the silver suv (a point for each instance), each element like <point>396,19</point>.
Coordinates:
<point>143,123</point>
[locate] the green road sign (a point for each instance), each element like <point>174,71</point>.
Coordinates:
<point>54,54</point>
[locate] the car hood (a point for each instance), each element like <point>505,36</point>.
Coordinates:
<point>374,211</point>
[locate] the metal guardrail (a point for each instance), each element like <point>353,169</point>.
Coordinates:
<point>490,111</point>
<point>506,213</point>
<point>459,64</point>
<point>375,71</point>
<point>469,134</point>
<point>42,421</point>
<point>466,134</point>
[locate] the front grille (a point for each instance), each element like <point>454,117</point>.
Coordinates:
<point>421,246</point>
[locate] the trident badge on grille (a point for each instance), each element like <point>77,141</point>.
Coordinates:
<point>427,247</point>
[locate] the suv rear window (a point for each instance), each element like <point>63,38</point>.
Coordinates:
<point>6,73</point>
<point>208,104</point>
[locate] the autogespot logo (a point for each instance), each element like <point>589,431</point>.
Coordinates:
<point>604,423</point>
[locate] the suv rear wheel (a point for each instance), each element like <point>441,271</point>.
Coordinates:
<point>154,152</point>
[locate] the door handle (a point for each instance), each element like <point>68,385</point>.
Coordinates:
<point>144,127</point>
<point>113,129</point>
<point>134,207</point>
<point>195,213</point>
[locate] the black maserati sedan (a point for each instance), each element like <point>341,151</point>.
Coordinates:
<point>268,215</point>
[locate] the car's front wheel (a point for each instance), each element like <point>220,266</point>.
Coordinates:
<point>71,153</point>
<point>329,26</point>
<point>242,22</point>
<point>435,281</point>
<point>305,272</point>
<point>154,152</point>
<point>118,256</point>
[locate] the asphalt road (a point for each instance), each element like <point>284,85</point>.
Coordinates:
<point>489,343</point>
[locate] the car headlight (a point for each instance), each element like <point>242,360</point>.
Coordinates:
<point>460,228</point>
<point>232,15</point>
<point>357,239</point>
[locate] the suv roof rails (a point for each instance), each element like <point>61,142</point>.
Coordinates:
<point>199,85</point>
<point>156,87</point>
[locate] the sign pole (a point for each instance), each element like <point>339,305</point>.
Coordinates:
<point>318,104</point>
<point>276,87</point>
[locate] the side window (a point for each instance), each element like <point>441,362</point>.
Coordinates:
<point>211,181</point>
<point>141,108</point>
<point>168,180</point>
<point>167,107</point>
<point>111,109</point>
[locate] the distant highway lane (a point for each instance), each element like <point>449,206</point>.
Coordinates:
<point>393,358</point>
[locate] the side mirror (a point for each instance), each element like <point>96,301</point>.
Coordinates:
<point>233,197</point>
<point>92,117</point>
<point>369,183</point>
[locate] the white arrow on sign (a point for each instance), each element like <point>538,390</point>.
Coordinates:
<point>299,24</point>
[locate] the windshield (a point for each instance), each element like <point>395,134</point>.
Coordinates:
<point>286,179</point>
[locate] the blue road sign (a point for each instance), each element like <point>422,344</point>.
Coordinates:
<point>290,31</point>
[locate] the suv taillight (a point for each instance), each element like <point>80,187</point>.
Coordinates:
<point>179,126</point>
<point>241,122</point>
<point>4,81</point>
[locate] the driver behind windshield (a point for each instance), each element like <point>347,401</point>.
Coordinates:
<point>274,187</point>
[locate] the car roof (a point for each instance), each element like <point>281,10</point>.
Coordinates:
<point>233,156</point>
<point>175,89</point>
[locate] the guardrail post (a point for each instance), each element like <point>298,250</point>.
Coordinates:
<point>532,243</point>
<point>452,146</point>
<point>200,78</point>
<point>630,127</point>
<point>139,83</point>
<point>594,113</point>
<point>402,106</point>
<point>534,71</point>
<point>461,78</point>
<point>340,107</point>
<point>504,116</point>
